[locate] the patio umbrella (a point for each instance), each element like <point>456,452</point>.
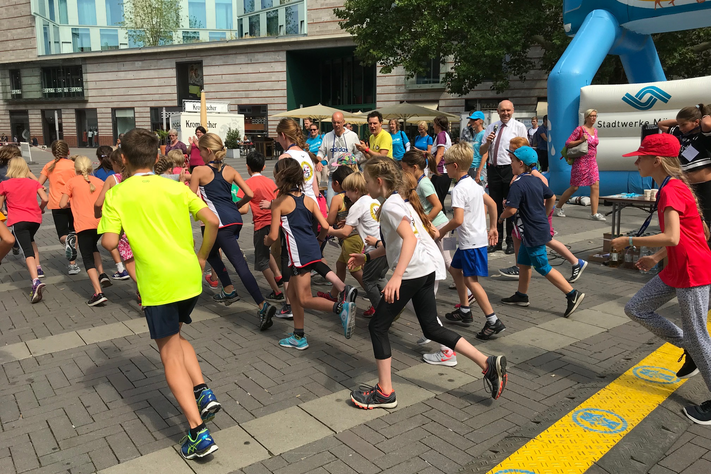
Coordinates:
<point>355,117</point>
<point>318,112</point>
<point>406,112</point>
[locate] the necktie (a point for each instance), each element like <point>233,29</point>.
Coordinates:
<point>498,141</point>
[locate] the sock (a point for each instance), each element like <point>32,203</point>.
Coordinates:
<point>337,307</point>
<point>120,268</point>
<point>464,309</point>
<point>298,332</point>
<point>570,295</point>
<point>197,390</point>
<point>491,318</point>
<point>387,394</point>
<point>196,430</point>
<point>278,279</point>
<point>521,294</point>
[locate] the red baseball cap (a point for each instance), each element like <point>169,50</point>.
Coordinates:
<point>661,144</point>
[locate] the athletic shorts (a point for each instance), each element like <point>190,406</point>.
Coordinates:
<point>352,244</point>
<point>536,257</point>
<point>261,251</point>
<point>24,236</point>
<point>63,221</point>
<point>319,267</point>
<point>164,320</point>
<point>86,241</point>
<point>472,262</point>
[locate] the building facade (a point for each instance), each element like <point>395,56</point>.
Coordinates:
<point>71,71</point>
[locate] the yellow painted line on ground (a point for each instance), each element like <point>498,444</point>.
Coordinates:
<point>579,439</point>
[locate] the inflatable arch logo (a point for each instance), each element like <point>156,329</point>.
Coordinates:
<point>652,94</point>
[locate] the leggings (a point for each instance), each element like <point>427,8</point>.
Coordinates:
<point>374,280</point>
<point>421,292</point>
<point>63,221</point>
<point>25,235</point>
<point>86,241</point>
<point>693,336</point>
<point>227,241</point>
<point>441,184</point>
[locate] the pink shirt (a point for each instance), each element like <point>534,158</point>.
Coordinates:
<point>21,197</point>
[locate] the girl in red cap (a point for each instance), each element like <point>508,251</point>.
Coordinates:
<point>688,272</point>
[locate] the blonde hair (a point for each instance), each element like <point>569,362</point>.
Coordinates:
<point>462,154</point>
<point>82,165</point>
<point>355,182</point>
<point>518,142</point>
<point>292,131</point>
<point>422,123</point>
<point>17,168</point>
<point>211,141</point>
<point>385,169</point>
<point>672,167</point>
<point>588,112</point>
<point>177,158</point>
<point>409,191</point>
<point>164,164</point>
<point>60,150</point>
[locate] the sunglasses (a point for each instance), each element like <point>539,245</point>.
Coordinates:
<point>314,129</point>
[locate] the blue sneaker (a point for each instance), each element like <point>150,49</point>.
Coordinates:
<point>40,273</point>
<point>208,405</point>
<point>121,275</point>
<point>295,342</point>
<point>348,311</point>
<point>201,446</point>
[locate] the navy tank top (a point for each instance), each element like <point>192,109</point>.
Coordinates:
<point>301,243</point>
<point>217,194</point>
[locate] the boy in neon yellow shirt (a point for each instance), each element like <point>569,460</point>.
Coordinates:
<point>155,214</point>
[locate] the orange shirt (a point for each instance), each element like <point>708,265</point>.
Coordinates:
<point>82,201</point>
<point>63,172</point>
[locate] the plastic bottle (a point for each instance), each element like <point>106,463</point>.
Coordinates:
<point>629,256</point>
<point>644,252</point>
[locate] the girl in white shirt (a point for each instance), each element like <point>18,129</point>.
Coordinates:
<point>292,141</point>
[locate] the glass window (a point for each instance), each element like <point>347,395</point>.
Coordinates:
<point>51,10</point>
<point>292,20</point>
<point>15,84</point>
<point>47,41</point>
<point>273,23</point>
<point>240,33</point>
<point>267,4</point>
<point>109,39</point>
<point>62,81</point>
<point>114,12</point>
<point>191,36</point>
<point>197,14</point>
<point>432,76</point>
<point>81,39</point>
<point>87,12</point>
<point>218,35</point>
<point>123,121</point>
<point>42,9</point>
<point>254,25</point>
<point>63,15</point>
<point>248,6</point>
<point>131,41</point>
<point>55,34</point>
<point>223,14</point>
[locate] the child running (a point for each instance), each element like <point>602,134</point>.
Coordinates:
<point>105,169</point>
<point>20,193</point>
<point>81,193</point>
<point>58,172</point>
<point>687,275</point>
<point>416,261</point>
<point>170,273</point>
<point>295,214</point>
<point>213,183</point>
<point>526,196</point>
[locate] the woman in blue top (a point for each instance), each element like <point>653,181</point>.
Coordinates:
<point>423,142</point>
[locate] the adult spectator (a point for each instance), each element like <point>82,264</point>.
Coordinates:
<point>380,142</point>
<point>175,144</point>
<point>476,130</point>
<point>3,138</point>
<point>541,140</point>
<point>194,151</point>
<point>315,139</point>
<point>424,141</point>
<point>442,142</point>
<point>335,144</point>
<point>532,132</point>
<point>118,140</point>
<point>35,142</point>
<point>401,143</point>
<point>307,126</point>
<point>584,172</point>
<point>498,135</point>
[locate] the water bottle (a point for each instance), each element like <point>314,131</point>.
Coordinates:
<point>644,252</point>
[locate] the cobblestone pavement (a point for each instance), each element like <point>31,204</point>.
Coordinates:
<point>83,388</point>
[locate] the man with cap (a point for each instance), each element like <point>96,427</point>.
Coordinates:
<point>475,130</point>
<point>531,201</point>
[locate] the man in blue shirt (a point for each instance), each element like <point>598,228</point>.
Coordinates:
<point>315,139</point>
<point>401,143</point>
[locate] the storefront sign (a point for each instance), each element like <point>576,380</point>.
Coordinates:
<point>193,106</point>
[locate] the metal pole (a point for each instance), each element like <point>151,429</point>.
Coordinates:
<point>164,119</point>
<point>56,124</point>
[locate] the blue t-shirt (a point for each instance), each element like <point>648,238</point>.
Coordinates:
<point>541,144</point>
<point>314,143</point>
<point>478,138</point>
<point>421,143</point>
<point>399,141</point>
<point>527,194</point>
<point>102,174</point>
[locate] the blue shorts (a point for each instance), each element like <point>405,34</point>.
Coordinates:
<point>536,257</point>
<point>472,262</point>
<point>164,320</point>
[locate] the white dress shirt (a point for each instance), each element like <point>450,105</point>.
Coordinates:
<point>513,129</point>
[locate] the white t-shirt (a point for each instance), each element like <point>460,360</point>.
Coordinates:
<point>393,211</point>
<point>363,216</point>
<point>513,129</point>
<point>469,196</point>
<point>431,249</point>
<point>309,171</point>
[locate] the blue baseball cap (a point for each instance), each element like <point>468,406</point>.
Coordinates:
<point>526,154</point>
<point>477,115</point>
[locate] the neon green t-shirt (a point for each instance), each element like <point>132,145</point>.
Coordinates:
<point>383,141</point>
<point>155,214</point>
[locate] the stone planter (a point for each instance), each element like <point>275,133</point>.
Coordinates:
<point>233,153</point>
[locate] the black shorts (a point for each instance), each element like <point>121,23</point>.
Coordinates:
<point>319,267</point>
<point>25,235</point>
<point>63,221</point>
<point>261,251</point>
<point>165,320</point>
<point>86,241</point>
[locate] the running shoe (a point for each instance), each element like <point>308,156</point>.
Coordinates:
<point>490,329</point>
<point>227,298</point>
<point>495,376</point>
<point>470,299</point>
<point>40,273</point>
<point>558,212</point>
<point>700,414</point>
<point>73,269</point>
<point>295,342</point>
<point>348,311</point>
<point>121,275</point>
<point>70,247</point>
<point>212,283</point>
<point>349,294</point>
<point>457,316</point>
<point>97,299</point>
<point>36,293</point>
<point>285,312</point>
<point>574,300</point>
<point>423,340</point>
<point>16,248</point>
<point>452,286</point>
<point>578,270</point>
<point>104,280</point>
<point>597,217</point>
<point>327,295</point>
<point>274,296</point>
<point>516,299</point>
<point>201,446</point>
<point>448,359</point>
<point>510,272</point>
<point>689,368</point>
<point>368,313</point>
<point>208,405</point>
<point>265,316</point>
<point>368,397</point>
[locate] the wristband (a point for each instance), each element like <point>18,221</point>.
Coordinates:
<point>631,241</point>
<point>367,257</point>
<point>367,150</point>
<point>376,243</point>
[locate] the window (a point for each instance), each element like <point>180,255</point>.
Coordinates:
<point>248,6</point>
<point>51,10</point>
<point>41,5</point>
<point>223,14</point>
<point>62,81</point>
<point>87,12</point>
<point>15,84</point>
<point>267,4</point>
<point>131,41</point>
<point>122,120</point>
<point>55,31</point>
<point>293,20</point>
<point>47,41</point>
<point>109,39</point>
<point>254,25</point>
<point>114,12</point>
<point>20,125</point>
<point>157,117</point>
<point>81,39</point>
<point>191,36</point>
<point>273,23</point>
<point>218,36</point>
<point>189,80</point>
<point>255,119</point>
<point>197,14</point>
<point>63,15</point>
<point>432,76</point>
<point>240,32</point>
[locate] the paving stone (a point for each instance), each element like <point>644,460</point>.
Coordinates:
<point>683,457</point>
<point>56,343</point>
<point>165,461</point>
<point>24,457</point>
<point>296,428</point>
<point>11,352</point>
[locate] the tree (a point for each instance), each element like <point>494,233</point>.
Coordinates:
<point>490,40</point>
<point>151,22</point>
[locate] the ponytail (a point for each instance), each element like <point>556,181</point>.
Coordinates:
<point>422,160</point>
<point>82,165</point>
<point>409,192</point>
<point>213,142</point>
<point>60,150</point>
<point>292,131</point>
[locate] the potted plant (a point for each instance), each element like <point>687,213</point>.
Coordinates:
<point>232,142</point>
<point>163,136</point>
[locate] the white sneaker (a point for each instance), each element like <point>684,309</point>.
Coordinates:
<point>558,212</point>
<point>440,358</point>
<point>452,286</point>
<point>423,340</point>
<point>73,269</point>
<point>597,217</point>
